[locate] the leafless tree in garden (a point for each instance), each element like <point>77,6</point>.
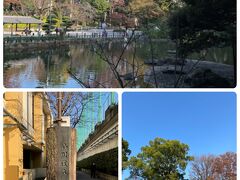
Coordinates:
<point>169,71</point>
<point>145,14</point>
<point>35,7</point>
<point>114,63</point>
<point>180,71</point>
<point>82,12</point>
<point>73,104</point>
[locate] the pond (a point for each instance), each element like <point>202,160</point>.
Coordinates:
<point>79,64</point>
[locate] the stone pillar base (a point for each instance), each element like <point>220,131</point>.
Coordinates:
<point>61,153</point>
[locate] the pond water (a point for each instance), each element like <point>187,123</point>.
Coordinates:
<point>49,68</point>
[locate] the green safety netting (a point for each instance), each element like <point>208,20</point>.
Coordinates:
<point>94,113</point>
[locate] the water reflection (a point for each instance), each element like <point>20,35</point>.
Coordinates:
<point>50,68</point>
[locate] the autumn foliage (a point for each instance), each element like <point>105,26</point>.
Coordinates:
<point>210,167</point>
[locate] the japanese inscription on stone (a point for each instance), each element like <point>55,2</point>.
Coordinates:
<point>64,158</point>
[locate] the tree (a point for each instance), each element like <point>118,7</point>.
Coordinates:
<point>200,25</point>
<point>152,16</point>
<point>73,104</point>
<point>152,12</point>
<point>225,166</point>
<point>36,8</point>
<point>210,167</point>
<point>148,13</point>
<point>83,13</point>
<point>202,168</point>
<point>11,7</point>
<point>101,7</point>
<point>56,19</point>
<point>203,24</point>
<point>162,159</point>
<point>118,14</point>
<point>125,153</point>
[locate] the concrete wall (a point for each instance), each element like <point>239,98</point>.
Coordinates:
<point>104,138</point>
<point>105,141</point>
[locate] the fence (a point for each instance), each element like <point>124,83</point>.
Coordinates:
<point>25,39</point>
<point>74,35</point>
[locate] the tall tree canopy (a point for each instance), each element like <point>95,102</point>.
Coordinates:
<point>101,7</point>
<point>125,153</point>
<point>153,15</point>
<point>202,24</point>
<point>162,159</point>
<point>152,10</point>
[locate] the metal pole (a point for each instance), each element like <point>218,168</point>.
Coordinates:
<point>100,107</point>
<point>59,101</point>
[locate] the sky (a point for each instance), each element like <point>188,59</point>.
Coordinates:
<point>204,121</point>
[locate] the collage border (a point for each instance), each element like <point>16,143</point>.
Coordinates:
<point>120,92</point>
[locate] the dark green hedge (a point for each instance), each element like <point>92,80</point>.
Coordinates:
<point>106,162</point>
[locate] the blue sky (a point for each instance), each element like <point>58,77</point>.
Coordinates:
<point>204,121</point>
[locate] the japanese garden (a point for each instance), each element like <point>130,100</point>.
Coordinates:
<point>119,44</point>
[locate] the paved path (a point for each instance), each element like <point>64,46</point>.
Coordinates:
<point>83,176</point>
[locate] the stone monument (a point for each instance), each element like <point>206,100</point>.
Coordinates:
<point>61,150</point>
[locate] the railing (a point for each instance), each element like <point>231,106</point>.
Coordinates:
<point>95,35</point>
<point>21,39</point>
<point>78,35</point>
<point>99,33</point>
<point>112,132</point>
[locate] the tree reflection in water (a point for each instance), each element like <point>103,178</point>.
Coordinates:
<point>50,68</point>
